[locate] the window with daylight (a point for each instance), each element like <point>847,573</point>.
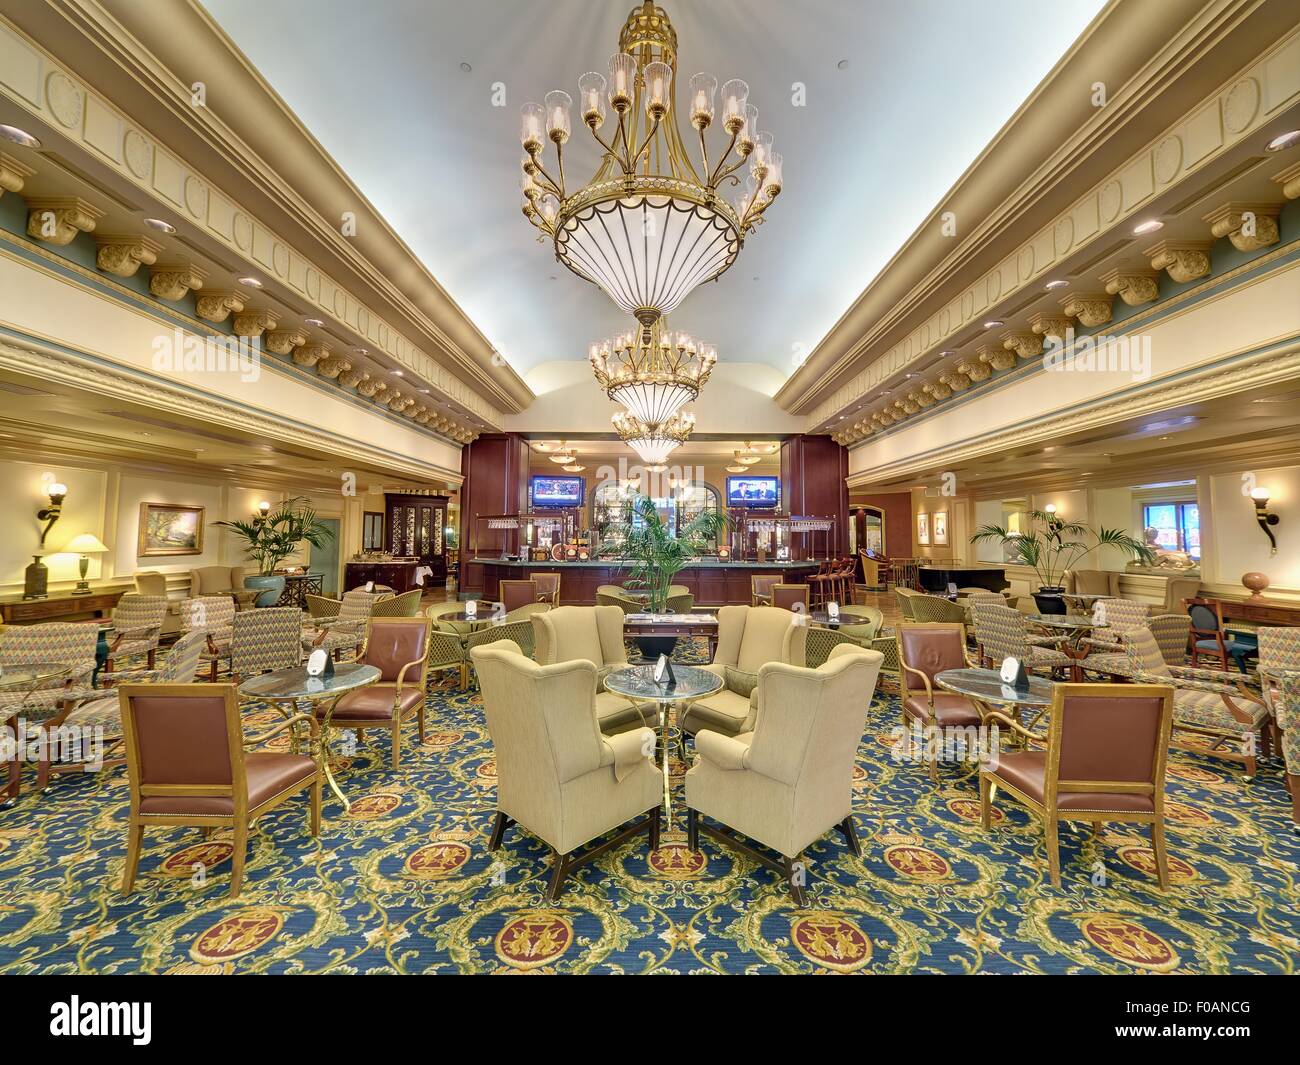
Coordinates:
<point>1177,525</point>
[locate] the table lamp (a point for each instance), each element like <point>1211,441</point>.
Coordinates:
<point>85,545</point>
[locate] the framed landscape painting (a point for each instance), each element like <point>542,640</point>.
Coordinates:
<point>169,529</point>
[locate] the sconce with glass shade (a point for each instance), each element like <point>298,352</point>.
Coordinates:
<point>1265,518</point>
<point>85,545</point>
<point>36,577</point>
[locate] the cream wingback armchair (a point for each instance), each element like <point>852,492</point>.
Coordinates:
<point>789,780</point>
<point>595,634</point>
<point>748,638</point>
<point>558,775</point>
<point>216,580</point>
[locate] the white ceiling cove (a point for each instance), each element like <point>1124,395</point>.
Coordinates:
<point>899,98</point>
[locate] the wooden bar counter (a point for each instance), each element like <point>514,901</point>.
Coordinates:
<point>713,583</point>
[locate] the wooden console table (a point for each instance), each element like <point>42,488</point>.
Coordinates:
<point>1260,611</point>
<point>61,606</point>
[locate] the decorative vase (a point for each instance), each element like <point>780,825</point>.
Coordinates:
<point>1255,582</point>
<point>36,579</point>
<point>271,588</point>
<point>1051,599</point>
<point>651,647</point>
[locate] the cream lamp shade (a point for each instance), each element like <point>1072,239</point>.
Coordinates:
<point>85,544</point>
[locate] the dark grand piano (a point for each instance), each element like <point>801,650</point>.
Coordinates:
<point>935,579</point>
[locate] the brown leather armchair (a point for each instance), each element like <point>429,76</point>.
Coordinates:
<point>399,648</point>
<point>790,596</point>
<point>1105,761</point>
<point>515,594</point>
<point>926,649</point>
<point>187,765</point>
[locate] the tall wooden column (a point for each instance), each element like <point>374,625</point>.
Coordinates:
<point>495,467</point>
<point>814,470</point>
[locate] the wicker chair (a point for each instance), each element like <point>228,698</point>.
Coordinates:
<point>137,624</point>
<point>214,616</point>
<point>934,608</point>
<point>904,597</point>
<point>613,595</point>
<point>1210,704</point>
<point>406,605</point>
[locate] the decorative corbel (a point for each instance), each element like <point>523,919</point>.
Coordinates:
<point>1185,260</point>
<point>883,418</point>
<point>995,357</point>
<point>1250,226</point>
<point>938,389</point>
<point>308,355</point>
<point>122,256</point>
<point>1025,345</point>
<point>353,377</point>
<point>368,387</point>
<point>12,174</point>
<point>976,369</point>
<point>957,380</point>
<point>1134,287</point>
<point>1056,326</point>
<point>171,281</point>
<point>332,367</point>
<point>253,323</point>
<point>410,411</point>
<point>1289,179</point>
<point>904,407</point>
<point>216,306</point>
<point>398,402</point>
<point>381,393</point>
<point>59,221</point>
<point>921,398</point>
<point>422,415</point>
<point>283,341</point>
<point>1090,308</point>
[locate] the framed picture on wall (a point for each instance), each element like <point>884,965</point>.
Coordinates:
<point>923,529</point>
<point>940,526</point>
<point>169,529</point>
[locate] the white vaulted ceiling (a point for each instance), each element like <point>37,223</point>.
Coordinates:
<point>901,96</point>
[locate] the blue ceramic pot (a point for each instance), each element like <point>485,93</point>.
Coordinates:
<point>272,588</point>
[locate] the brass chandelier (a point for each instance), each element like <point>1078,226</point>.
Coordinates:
<point>648,227</point>
<point>653,443</point>
<point>652,371</point>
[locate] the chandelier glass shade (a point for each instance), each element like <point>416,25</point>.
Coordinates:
<point>653,444</point>
<point>649,226</point>
<point>652,371</point>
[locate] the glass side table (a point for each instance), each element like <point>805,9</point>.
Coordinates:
<point>637,685</point>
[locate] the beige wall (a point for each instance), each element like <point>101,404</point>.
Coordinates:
<point>104,499</point>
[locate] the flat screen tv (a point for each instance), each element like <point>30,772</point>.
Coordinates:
<point>753,492</point>
<point>556,491</point>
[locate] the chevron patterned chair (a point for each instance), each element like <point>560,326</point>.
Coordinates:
<point>214,616</point>
<point>1001,633</point>
<point>137,624</point>
<point>1286,712</point>
<point>1210,705</point>
<point>346,629</point>
<point>100,711</point>
<point>265,639</point>
<point>1105,654</point>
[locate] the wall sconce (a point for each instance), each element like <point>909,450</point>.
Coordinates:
<point>264,508</point>
<point>51,514</point>
<point>1259,497</point>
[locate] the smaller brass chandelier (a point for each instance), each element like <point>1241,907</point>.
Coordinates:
<point>653,444</point>
<point>652,371</point>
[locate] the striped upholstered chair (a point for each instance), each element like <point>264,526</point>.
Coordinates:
<point>214,616</point>
<point>265,639</point>
<point>1003,633</point>
<point>1211,706</point>
<point>101,711</point>
<point>1279,652</point>
<point>346,630</point>
<point>137,624</point>
<point>1286,711</point>
<point>1105,654</point>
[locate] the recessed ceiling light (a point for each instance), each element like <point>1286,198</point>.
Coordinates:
<point>992,323</point>
<point>843,64</point>
<point>312,321</point>
<point>19,136</point>
<point>1057,283</point>
<point>424,391</point>
<point>1283,141</point>
<point>466,67</point>
<point>1149,226</point>
<point>943,353</point>
<point>362,351</point>
<point>251,282</point>
<point>160,225</point>
<point>397,373</point>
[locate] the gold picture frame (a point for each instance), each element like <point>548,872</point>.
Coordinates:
<point>170,529</point>
<point>939,527</point>
<point>923,529</point>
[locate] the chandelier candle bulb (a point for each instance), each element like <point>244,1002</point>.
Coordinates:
<point>703,87</point>
<point>622,76</point>
<point>531,117</point>
<point>558,125</point>
<point>658,81</point>
<point>591,95</point>
<point>735,95</point>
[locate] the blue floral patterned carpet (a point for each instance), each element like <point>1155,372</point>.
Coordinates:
<point>405,883</point>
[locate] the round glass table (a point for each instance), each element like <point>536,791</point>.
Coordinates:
<point>844,617</point>
<point>986,688</point>
<point>637,685</point>
<point>27,678</point>
<point>296,686</point>
<point>1075,627</point>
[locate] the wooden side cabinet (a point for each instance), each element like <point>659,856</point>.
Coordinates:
<point>15,610</point>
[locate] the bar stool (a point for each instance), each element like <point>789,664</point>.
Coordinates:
<point>821,585</point>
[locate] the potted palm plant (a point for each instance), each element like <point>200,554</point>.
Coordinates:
<point>271,536</point>
<point>1051,545</point>
<point>642,542</point>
